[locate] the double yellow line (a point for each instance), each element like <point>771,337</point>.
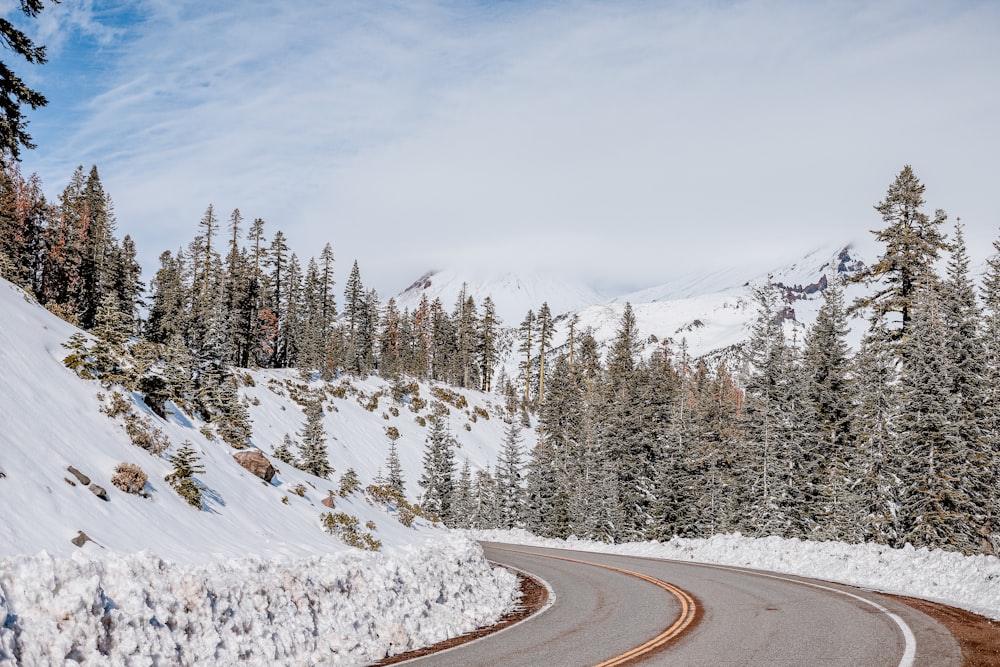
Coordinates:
<point>689,609</point>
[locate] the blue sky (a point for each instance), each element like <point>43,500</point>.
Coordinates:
<point>622,143</point>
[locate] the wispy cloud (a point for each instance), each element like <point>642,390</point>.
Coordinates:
<point>624,142</point>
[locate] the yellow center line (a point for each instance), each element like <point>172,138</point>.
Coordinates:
<point>686,618</point>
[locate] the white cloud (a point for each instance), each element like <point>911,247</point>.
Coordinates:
<point>625,143</point>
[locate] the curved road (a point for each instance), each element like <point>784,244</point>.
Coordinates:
<point>743,618</point>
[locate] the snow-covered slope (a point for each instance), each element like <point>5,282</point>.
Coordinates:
<point>513,294</point>
<point>155,564</point>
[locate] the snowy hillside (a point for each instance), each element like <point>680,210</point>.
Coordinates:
<point>192,565</point>
<point>513,294</point>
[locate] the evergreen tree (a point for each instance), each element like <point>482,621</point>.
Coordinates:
<point>487,349</point>
<point>181,478</point>
<point>526,335</point>
<point>485,513</point>
<point>464,503</point>
<point>833,510</point>
<point>509,491</point>
<point>395,479</point>
<point>437,479</point>
<point>938,506</point>
<point>312,444</point>
<point>912,242</point>
<point>14,93</point>
<point>544,326</point>
<point>283,452</point>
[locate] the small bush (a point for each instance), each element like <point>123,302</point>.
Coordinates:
<point>420,420</point>
<point>129,478</point>
<point>392,433</point>
<point>143,434</point>
<point>439,409</point>
<point>299,490</point>
<point>468,426</point>
<point>349,483</point>
<point>345,526</point>
<point>480,412</point>
<point>394,411</point>
<point>450,397</point>
<point>118,406</point>
<point>417,404</point>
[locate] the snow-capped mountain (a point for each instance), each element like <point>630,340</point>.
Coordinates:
<point>513,294</point>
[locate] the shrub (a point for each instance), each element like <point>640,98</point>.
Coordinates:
<point>143,434</point>
<point>480,412</point>
<point>181,479</point>
<point>299,490</point>
<point>349,483</point>
<point>118,406</point>
<point>129,478</point>
<point>345,526</point>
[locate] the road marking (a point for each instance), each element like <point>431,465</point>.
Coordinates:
<point>688,608</point>
<point>909,641</point>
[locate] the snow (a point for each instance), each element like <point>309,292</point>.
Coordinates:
<point>252,574</point>
<point>336,609</point>
<point>967,582</point>
<point>513,294</point>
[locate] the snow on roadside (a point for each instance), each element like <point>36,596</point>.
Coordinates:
<point>968,582</point>
<point>343,608</point>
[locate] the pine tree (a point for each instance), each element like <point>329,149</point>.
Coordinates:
<point>395,479</point>
<point>283,452</point>
<point>464,502</point>
<point>764,458</point>
<point>487,349</point>
<point>525,331</point>
<point>938,506</point>
<point>509,490</point>
<point>912,243</point>
<point>13,91</point>
<point>834,510</point>
<point>437,479</point>
<point>312,445</point>
<point>545,326</point>
<point>181,478</point>
<point>485,513</point>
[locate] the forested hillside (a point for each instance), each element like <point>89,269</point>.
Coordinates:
<point>894,442</point>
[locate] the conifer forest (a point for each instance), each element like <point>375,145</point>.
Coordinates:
<point>895,442</point>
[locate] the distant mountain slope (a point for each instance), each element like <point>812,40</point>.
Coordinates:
<point>513,294</point>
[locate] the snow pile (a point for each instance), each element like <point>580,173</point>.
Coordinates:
<point>342,608</point>
<point>969,582</point>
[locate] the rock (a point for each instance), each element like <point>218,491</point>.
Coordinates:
<point>256,463</point>
<point>83,479</point>
<point>81,538</point>
<point>328,502</point>
<point>99,492</point>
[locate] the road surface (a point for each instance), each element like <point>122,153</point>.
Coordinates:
<point>687,614</point>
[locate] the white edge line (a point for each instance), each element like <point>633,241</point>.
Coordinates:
<point>544,608</point>
<point>910,642</point>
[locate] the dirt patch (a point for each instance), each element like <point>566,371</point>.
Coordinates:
<point>978,636</point>
<point>534,595</point>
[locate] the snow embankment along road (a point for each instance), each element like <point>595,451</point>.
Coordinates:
<point>967,582</point>
<point>748,618</point>
<point>343,608</point>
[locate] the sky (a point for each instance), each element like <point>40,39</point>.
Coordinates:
<point>622,144</point>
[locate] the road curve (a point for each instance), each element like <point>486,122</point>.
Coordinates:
<point>747,618</point>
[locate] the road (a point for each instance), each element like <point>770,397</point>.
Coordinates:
<point>720,616</point>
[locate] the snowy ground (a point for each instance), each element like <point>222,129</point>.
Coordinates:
<point>251,576</point>
<point>968,582</point>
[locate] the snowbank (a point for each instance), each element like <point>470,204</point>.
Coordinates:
<point>343,608</point>
<point>968,582</point>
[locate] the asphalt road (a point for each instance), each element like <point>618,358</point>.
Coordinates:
<point>743,618</point>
